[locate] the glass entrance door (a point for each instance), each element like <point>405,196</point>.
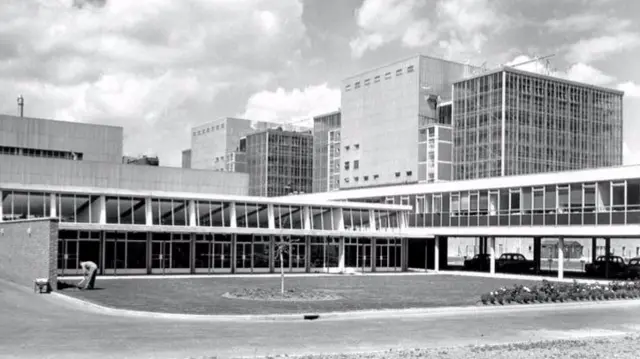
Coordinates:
<point>222,254</point>
<point>297,257</point>
<point>243,254</point>
<point>357,254</point>
<point>364,257</point>
<point>160,256</point>
<point>68,263</point>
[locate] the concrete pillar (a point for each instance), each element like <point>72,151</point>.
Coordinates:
<point>148,211</point>
<point>492,255</point>
<point>149,252</point>
<point>537,253</point>
<point>444,252</point>
<point>337,219</point>
<point>306,217</point>
<point>307,253</point>
<point>271,216</point>
<point>234,240</point>
<point>436,253</point>
<point>607,249</point>
<point>560,258</point>
<point>594,249</point>
<point>341,255</point>
<point>372,220</point>
<point>53,206</point>
<point>102,210</point>
<point>192,253</point>
<point>403,254</point>
<point>373,254</point>
<point>192,213</point>
<point>1,211</point>
<point>233,220</point>
<point>272,247</point>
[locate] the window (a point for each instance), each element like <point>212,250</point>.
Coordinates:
<point>397,174</point>
<point>356,164</point>
<point>357,145</point>
<point>375,176</point>
<point>387,75</point>
<point>376,79</point>
<point>221,125</point>
<point>410,68</point>
<point>356,178</point>
<point>409,173</point>
<point>398,72</point>
<point>346,165</point>
<point>357,85</point>
<point>366,178</point>
<point>367,82</point>
<point>346,148</point>
<point>347,88</point>
<point>346,179</point>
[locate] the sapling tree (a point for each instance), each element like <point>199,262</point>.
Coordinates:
<point>282,247</point>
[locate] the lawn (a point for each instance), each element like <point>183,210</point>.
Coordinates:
<point>204,295</point>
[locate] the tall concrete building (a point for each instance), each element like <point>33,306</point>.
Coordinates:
<point>215,145</point>
<point>326,152</point>
<point>512,122</point>
<point>34,137</point>
<point>279,162</point>
<point>383,112</point>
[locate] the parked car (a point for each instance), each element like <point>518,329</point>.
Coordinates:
<point>617,267</point>
<point>479,262</point>
<point>514,263</point>
<point>633,268</point>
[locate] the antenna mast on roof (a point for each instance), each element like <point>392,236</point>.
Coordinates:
<point>20,106</point>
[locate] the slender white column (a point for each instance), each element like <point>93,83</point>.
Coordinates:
<point>492,255</point>
<point>560,258</point>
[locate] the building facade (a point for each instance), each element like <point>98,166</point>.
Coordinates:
<point>186,158</point>
<point>35,137</point>
<point>215,145</point>
<point>326,152</point>
<point>511,122</point>
<point>279,162</point>
<point>383,111</point>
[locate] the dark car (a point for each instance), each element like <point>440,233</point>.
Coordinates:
<point>633,269</point>
<point>479,262</point>
<point>514,263</point>
<point>617,267</point>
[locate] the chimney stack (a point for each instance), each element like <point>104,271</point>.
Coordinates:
<point>20,106</point>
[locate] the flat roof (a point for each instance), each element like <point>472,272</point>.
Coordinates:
<point>620,173</point>
<point>540,76</point>
<point>286,200</point>
<point>61,122</point>
<point>403,60</point>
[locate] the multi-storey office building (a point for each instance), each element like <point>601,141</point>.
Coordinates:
<point>382,112</point>
<point>511,122</point>
<point>326,152</point>
<point>214,143</point>
<point>279,162</point>
<point>435,146</point>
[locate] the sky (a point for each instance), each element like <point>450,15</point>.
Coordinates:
<point>159,67</point>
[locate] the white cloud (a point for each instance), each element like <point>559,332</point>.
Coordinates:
<point>155,67</point>
<point>467,24</point>
<point>579,72</point>
<point>587,22</point>
<point>597,48</point>
<point>296,106</point>
<point>630,89</point>
<point>588,74</point>
<point>383,21</point>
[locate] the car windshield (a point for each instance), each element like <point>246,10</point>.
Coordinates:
<point>634,262</point>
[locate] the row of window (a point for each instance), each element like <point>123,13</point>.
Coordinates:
<point>376,79</point>
<point>34,152</point>
<point>208,129</point>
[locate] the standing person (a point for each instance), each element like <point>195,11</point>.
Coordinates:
<point>89,270</point>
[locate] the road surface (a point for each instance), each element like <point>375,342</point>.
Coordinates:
<point>39,326</point>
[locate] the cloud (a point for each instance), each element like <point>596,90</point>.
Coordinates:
<point>382,21</point>
<point>587,22</point>
<point>579,72</point>
<point>597,48</point>
<point>297,106</point>
<point>156,67</point>
<point>630,89</point>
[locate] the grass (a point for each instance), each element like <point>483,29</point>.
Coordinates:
<point>204,295</point>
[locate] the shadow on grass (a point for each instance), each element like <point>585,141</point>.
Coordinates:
<point>74,287</point>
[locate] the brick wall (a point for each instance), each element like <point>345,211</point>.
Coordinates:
<point>25,257</point>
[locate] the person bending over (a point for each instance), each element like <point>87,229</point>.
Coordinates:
<point>89,270</point>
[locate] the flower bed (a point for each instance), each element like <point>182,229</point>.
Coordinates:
<point>546,292</point>
<point>290,295</point>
